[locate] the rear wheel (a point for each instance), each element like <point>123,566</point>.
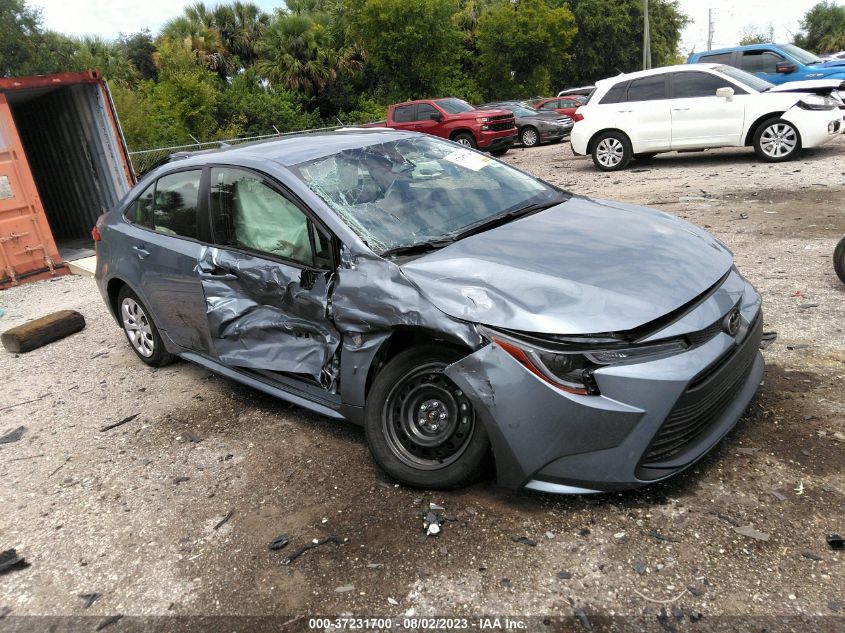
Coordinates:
<point>776,141</point>
<point>421,428</point>
<point>465,139</point>
<point>612,151</point>
<point>140,330</point>
<point>529,137</point>
<point>839,260</point>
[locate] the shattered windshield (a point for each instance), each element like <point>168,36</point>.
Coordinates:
<point>418,189</point>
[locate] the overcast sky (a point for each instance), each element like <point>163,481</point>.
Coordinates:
<point>730,17</point>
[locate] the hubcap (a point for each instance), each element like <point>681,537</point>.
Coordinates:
<point>529,138</point>
<point>137,327</point>
<point>464,141</point>
<point>778,140</point>
<point>609,152</point>
<point>427,420</point>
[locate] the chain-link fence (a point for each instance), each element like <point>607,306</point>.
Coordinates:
<point>145,159</point>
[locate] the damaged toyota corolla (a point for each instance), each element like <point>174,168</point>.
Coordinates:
<point>456,307</point>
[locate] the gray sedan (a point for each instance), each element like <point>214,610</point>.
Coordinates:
<point>534,126</point>
<point>457,308</point>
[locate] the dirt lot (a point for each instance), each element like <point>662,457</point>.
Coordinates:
<point>134,513</point>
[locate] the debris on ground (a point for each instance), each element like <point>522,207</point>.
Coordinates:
<point>767,339</point>
<point>29,336</point>
<point>180,480</point>
<point>279,542</point>
<point>225,520</point>
<point>583,619</point>
<point>431,524</point>
<point>128,418</point>
<point>807,306</point>
<point>564,575</point>
<point>836,542</point>
<point>315,543</point>
<point>811,556</point>
<point>344,589</point>
<point>12,436</point>
<point>620,538</point>
<point>435,507</point>
<point>750,532</point>
<point>393,601</point>
<point>89,598</point>
<point>109,621</point>
<point>9,560</point>
<point>524,540</point>
<point>639,567</point>
<point>661,537</point>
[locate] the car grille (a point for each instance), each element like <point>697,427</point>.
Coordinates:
<point>501,125</point>
<point>704,401</point>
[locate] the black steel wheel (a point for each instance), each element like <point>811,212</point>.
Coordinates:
<point>839,260</point>
<point>421,428</point>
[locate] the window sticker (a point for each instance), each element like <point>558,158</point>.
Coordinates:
<point>5,188</point>
<point>469,159</point>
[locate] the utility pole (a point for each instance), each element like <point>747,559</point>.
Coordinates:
<point>646,38</point>
<point>709,29</point>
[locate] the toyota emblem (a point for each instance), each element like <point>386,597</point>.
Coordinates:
<point>731,323</point>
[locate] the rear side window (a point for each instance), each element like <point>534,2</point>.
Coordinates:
<point>696,84</point>
<point>175,208</point>
<point>615,94</point>
<point>718,58</point>
<point>647,88</point>
<point>403,114</point>
<point>248,213</point>
<point>141,211</point>
<point>550,105</point>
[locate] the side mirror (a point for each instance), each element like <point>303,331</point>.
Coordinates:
<point>725,93</point>
<point>784,68</point>
<point>436,117</point>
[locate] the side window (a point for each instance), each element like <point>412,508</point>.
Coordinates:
<point>248,213</point>
<point>175,208</point>
<point>647,88</point>
<point>426,112</point>
<point>760,62</point>
<point>403,114</point>
<point>616,94</point>
<point>696,84</point>
<point>718,58</point>
<point>140,212</point>
<point>550,105</point>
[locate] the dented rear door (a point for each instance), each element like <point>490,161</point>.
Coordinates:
<point>267,279</point>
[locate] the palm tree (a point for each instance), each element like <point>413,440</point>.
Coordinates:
<point>195,34</point>
<point>241,26</point>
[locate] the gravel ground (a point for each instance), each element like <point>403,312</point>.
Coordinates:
<point>136,513</point>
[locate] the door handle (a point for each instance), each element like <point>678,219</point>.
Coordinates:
<point>679,109</point>
<point>622,111</point>
<point>142,252</point>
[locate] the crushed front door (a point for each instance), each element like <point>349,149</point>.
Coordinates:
<point>267,280</point>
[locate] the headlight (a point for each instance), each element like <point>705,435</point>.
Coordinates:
<point>570,367</point>
<point>482,119</point>
<point>817,102</point>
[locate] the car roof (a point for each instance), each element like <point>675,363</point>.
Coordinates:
<point>657,71</point>
<point>297,148</point>
<point>744,47</point>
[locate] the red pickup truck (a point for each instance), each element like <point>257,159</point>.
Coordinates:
<point>493,131</point>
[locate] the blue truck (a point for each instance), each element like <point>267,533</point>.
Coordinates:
<point>776,63</point>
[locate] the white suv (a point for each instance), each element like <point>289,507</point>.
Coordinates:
<point>697,106</point>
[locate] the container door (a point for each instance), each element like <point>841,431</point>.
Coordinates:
<point>26,243</point>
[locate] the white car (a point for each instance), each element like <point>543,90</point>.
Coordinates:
<point>699,106</point>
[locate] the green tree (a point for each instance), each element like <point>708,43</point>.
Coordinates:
<point>194,33</point>
<point>140,50</point>
<point>522,45</point>
<point>108,57</point>
<point>752,35</point>
<point>18,25</point>
<point>409,46</point>
<point>610,37</point>
<point>823,28</point>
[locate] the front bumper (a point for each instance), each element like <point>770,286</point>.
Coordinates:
<point>491,141</point>
<point>816,127</point>
<point>652,419</point>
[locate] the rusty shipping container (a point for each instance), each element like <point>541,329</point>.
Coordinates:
<point>63,162</point>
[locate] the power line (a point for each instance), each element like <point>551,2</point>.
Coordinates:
<point>646,38</point>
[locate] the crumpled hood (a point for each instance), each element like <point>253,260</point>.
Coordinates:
<point>582,267</point>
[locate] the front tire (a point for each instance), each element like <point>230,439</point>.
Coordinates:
<point>612,151</point>
<point>776,141</point>
<point>529,137</point>
<point>420,427</point>
<point>465,139</point>
<point>839,260</point>
<point>140,330</point>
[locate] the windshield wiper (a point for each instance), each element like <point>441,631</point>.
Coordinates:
<point>503,218</point>
<point>417,247</point>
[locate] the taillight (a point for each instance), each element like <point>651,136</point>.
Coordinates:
<point>576,117</point>
<point>95,233</point>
